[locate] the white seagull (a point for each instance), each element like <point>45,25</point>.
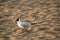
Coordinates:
<point>23,24</point>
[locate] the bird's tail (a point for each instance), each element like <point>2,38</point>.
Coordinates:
<point>33,23</point>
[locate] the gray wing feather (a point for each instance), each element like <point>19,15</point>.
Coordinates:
<point>25,24</point>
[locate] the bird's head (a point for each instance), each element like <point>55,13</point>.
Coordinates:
<point>17,19</point>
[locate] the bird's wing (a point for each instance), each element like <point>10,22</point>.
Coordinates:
<point>25,24</point>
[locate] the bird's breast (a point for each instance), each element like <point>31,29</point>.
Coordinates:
<point>19,24</point>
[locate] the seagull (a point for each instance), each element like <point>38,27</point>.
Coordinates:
<point>23,24</point>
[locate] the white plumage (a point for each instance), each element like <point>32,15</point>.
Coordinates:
<point>22,24</point>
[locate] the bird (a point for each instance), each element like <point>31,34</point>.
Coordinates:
<point>23,24</point>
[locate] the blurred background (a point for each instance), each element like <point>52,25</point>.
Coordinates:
<point>45,13</point>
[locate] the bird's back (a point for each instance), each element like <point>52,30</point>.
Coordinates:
<point>25,24</point>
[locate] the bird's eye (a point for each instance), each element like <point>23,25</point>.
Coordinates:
<point>17,19</point>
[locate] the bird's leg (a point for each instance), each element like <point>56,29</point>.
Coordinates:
<point>29,28</point>
<point>22,29</point>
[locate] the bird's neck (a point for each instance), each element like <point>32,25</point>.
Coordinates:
<point>19,20</point>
